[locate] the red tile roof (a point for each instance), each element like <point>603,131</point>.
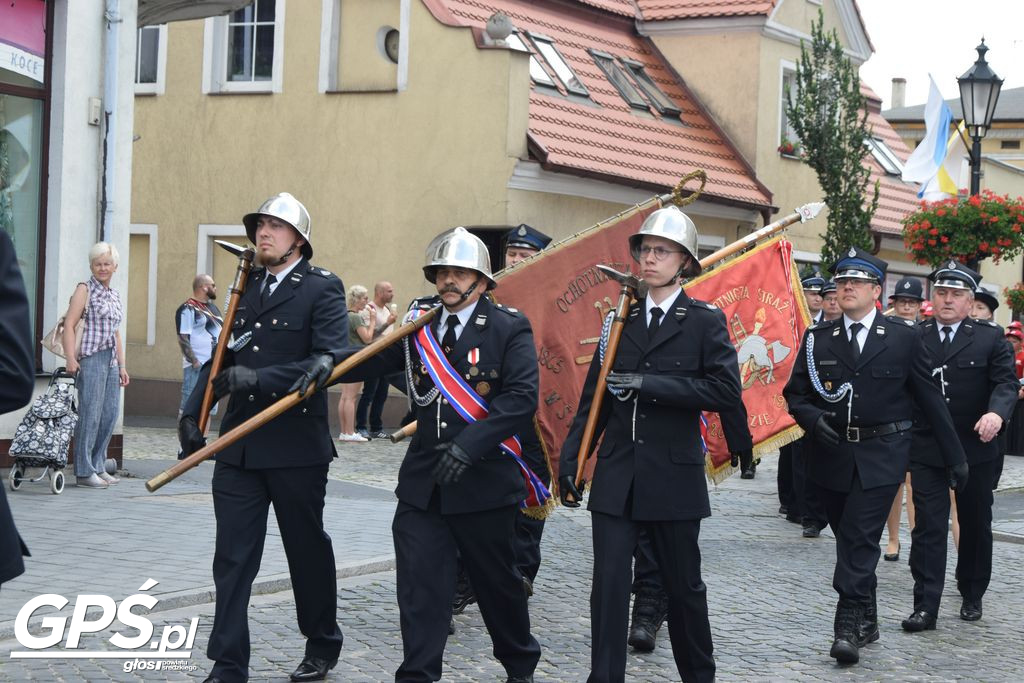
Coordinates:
<point>624,7</point>
<point>896,199</point>
<point>655,10</point>
<point>610,140</point>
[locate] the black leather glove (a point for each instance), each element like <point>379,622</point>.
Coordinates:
<point>825,433</point>
<point>958,476</point>
<point>318,373</point>
<point>237,379</point>
<point>625,380</point>
<point>189,436</point>
<point>741,458</point>
<point>452,464</point>
<point>567,488</point>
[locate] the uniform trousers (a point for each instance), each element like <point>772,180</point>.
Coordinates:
<point>974,511</point>
<point>427,547</point>
<point>784,477</point>
<point>677,553</point>
<point>806,495</point>
<point>241,499</point>
<point>857,517</point>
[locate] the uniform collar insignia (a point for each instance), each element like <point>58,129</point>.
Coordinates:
<point>836,331</point>
<point>879,330</point>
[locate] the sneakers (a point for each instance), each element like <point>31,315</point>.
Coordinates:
<point>351,437</point>
<point>363,433</point>
<point>91,482</point>
<point>380,435</point>
<point>109,478</point>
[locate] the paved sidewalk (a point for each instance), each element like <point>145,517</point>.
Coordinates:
<point>769,589</point>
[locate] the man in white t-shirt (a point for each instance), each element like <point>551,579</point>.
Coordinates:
<point>198,323</point>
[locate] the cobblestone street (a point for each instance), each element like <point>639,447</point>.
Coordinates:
<point>769,589</point>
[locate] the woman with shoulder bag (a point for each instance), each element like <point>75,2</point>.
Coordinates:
<point>99,363</point>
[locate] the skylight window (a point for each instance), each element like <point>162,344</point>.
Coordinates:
<point>537,72</point>
<point>557,62</point>
<point>885,157</point>
<point>619,79</point>
<point>661,101</point>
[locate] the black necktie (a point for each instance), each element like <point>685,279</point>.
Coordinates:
<point>265,294</point>
<point>448,343</point>
<point>652,327</point>
<point>947,339</point>
<point>855,328</point>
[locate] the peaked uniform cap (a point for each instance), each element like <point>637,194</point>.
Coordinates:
<point>955,275</point>
<point>526,237</point>
<point>859,264</point>
<point>908,288</point>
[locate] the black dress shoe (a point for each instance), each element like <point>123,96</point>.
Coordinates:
<point>970,610</point>
<point>893,557</point>
<point>794,519</point>
<point>845,651</point>
<point>451,626</point>
<point>213,679</point>
<point>313,668</point>
<point>783,510</point>
<point>528,678</point>
<point>919,621</point>
<point>811,531</point>
<point>749,472</point>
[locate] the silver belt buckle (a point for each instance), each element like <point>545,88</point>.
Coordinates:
<point>853,434</point>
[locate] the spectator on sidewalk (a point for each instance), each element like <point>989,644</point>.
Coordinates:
<point>198,323</point>
<point>360,332</point>
<point>375,390</point>
<point>100,365</point>
<point>17,369</point>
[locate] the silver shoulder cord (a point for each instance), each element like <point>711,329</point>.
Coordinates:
<point>420,400</point>
<point>844,390</point>
<point>621,394</point>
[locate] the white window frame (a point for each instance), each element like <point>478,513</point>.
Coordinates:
<point>558,64</point>
<point>885,157</point>
<point>156,88</point>
<point>538,74</point>
<point>330,35</point>
<point>785,67</point>
<point>151,231</point>
<point>215,57</point>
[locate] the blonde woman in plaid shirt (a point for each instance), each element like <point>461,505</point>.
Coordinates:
<point>100,365</point>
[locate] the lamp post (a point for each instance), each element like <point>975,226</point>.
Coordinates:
<point>979,92</point>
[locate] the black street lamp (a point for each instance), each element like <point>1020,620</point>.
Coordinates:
<point>979,92</point>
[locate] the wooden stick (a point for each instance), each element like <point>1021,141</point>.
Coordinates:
<point>403,433</point>
<point>286,403</point>
<point>237,289</point>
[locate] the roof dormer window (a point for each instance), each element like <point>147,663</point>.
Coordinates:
<point>885,157</point>
<point>561,68</point>
<point>619,79</point>
<point>661,101</point>
<point>537,73</point>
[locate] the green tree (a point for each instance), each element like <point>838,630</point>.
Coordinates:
<point>829,115</point>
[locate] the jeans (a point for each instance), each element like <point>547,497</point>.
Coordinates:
<point>375,393</point>
<point>99,395</point>
<point>188,383</point>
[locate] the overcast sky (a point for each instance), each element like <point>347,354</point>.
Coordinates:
<point>913,38</point>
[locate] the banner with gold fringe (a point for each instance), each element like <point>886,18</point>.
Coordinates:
<point>759,293</point>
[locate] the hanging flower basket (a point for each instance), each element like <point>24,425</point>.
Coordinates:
<point>966,229</point>
<point>1015,297</point>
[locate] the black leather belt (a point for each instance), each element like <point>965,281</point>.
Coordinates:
<point>857,434</point>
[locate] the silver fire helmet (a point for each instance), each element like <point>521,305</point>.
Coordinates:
<point>288,209</point>
<point>674,225</point>
<point>458,248</point>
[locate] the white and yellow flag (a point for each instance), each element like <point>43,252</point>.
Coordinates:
<point>938,162</point>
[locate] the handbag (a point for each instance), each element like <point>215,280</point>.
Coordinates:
<point>53,341</point>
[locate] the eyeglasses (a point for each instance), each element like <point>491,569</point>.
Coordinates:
<point>660,253</point>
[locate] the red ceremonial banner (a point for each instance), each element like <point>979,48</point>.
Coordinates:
<point>760,294</point>
<point>566,299</point>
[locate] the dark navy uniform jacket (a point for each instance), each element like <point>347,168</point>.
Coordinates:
<point>893,372</point>
<point>505,374</point>
<point>650,466</point>
<point>980,378</point>
<point>305,316</point>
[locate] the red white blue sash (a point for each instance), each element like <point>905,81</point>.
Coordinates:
<point>471,406</point>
